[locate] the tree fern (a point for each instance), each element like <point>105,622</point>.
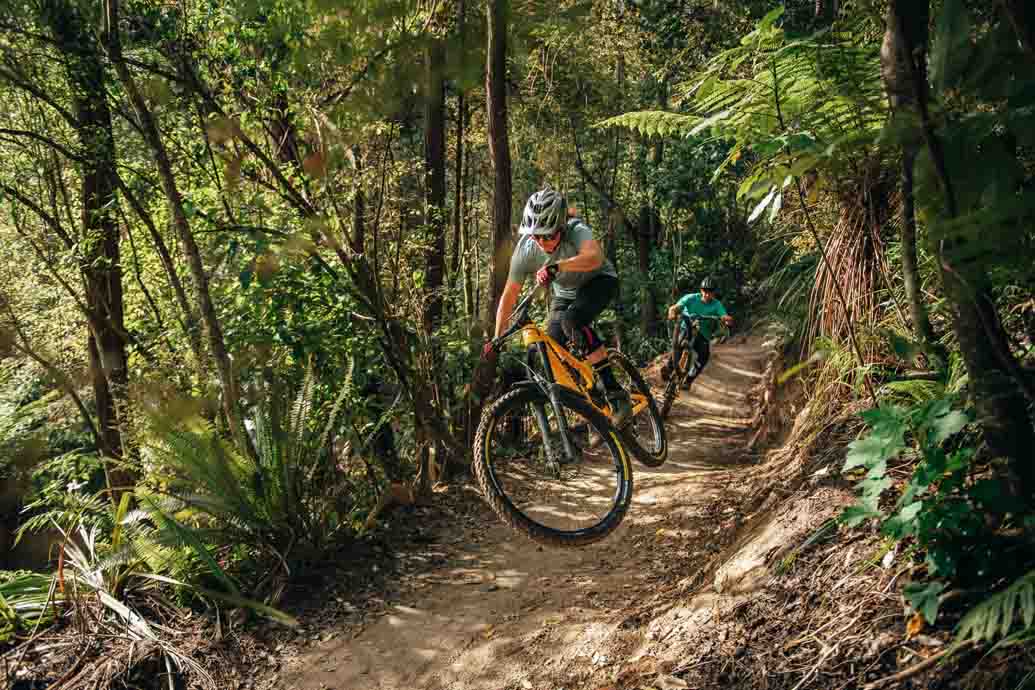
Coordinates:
<point>796,105</point>
<point>655,123</point>
<point>997,615</point>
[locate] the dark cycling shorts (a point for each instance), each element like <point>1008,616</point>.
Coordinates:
<point>577,314</point>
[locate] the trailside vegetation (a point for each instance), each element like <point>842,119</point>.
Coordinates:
<point>252,249</point>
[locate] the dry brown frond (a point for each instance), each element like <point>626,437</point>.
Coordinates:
<point>855,249</point>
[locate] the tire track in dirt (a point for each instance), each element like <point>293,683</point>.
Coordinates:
<point>501,612</point>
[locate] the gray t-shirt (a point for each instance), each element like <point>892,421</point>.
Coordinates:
<point>528,258</point>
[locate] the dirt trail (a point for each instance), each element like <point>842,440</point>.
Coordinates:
<point>501,612</point>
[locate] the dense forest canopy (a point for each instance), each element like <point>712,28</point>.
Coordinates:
<point>252,250</point>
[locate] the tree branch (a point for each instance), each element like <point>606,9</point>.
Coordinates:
<point>612,205</point>
<point>44,140</point>
<point>52,222</point>
<point>59,376</point>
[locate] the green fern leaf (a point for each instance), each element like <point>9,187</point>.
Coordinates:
<point>995,616</point>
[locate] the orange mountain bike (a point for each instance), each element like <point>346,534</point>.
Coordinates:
<point>547,456</point>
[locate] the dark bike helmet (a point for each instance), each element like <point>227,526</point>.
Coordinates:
<point>709,284</point>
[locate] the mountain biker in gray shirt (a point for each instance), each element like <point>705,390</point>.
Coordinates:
<point>563,253</point>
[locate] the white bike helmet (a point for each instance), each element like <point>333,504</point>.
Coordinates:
<point>545,212</point>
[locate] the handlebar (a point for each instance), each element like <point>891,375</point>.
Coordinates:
<point>690,319</point>
<point>518,318</point>
<point>697,317</point>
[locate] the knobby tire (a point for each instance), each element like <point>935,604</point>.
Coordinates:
<point>656,453</point>
<point>502,505</point>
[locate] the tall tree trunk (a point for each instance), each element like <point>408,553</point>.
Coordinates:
<point>465,238</point>
<point>659,144</point>
<point>499,150</point>
<point>907,237</point>
<point>435,179</point>
<point>99,240</point>
<point>999,392</point>
<point>283,131</point>
<point>435,224</point>
<point>458,188</point>
<point>649,228</point>
<point>153,138</point>
<point>461,132</point>
<point>612,219</point>
<point>358,239</point>
<point>897,72</point>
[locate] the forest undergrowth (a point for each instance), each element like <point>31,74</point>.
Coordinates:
<point>251,253</point>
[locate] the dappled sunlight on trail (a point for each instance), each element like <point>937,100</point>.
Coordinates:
<point>499,611</point>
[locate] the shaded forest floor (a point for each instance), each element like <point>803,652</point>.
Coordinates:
<point>724,574</point>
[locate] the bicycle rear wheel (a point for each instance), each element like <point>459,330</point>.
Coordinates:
<point>647,427</point>
<point>518,468</point>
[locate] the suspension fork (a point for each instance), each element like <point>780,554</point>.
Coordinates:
<point>553,391</point>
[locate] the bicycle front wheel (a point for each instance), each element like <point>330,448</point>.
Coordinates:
<point>679,371</point>
<point>521,468</point>
<point>647,427</point>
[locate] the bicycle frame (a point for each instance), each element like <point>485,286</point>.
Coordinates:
<point>553,354</point>
<point>687,340</point>
<point>692,333</point>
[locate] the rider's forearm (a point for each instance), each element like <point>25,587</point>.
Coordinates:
<point>507,301</point>
<point>582,262</point>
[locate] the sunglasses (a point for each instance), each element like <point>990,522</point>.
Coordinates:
<point>547,238</point>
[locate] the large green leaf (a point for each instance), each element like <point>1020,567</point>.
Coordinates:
<point>853,516</point>
<point>945,426</point>
<point>885,440</point>
<point>925,598</point>
<point>903,523</point>
<point>762,204</point>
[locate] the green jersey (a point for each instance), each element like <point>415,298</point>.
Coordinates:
<point>692,304</point>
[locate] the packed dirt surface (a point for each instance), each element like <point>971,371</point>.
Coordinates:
<point>486,608</point>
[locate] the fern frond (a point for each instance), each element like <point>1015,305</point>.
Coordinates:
<point>346,391</point>
<point>997,615</point>
<point>381,421</point>
<point>653,123</point>
<point>918,391</point>
<point>190,540</point>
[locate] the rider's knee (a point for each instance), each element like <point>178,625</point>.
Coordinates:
<point>571,328</point>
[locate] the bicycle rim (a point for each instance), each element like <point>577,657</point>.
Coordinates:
<point>561,504</point>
